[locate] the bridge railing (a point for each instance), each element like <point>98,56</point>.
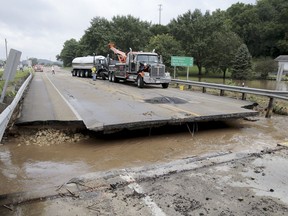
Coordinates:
<point>7,113</point>
<point>272,94</point>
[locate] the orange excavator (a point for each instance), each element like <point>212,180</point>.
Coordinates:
<point>121,55</point>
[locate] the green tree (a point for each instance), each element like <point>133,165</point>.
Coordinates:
<point>242,65</point>
<point>264,66</point>
<point>159,29</point>
<point>245,22</point>
<point>129,32</point>
<point>96,38</point>
<point>194,30</point>
<point>222,48</point>
<point>34,61</point>
<point>166,45</point>
<point>263,27</point>
<point>69,52</point>
<point>274,24</point>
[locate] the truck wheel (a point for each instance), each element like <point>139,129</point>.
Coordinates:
<point>165,85</point>
<point>103,76</point>
<point>140,82</point>
<point>115,79</point>
<point>110,77</point>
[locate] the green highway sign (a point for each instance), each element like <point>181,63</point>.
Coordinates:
<point>182,61</point>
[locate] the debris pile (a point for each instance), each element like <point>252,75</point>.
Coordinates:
<point>47,137</point>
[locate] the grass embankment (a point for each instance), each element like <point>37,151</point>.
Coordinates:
<point>14,85</point>
<point>181,73</point>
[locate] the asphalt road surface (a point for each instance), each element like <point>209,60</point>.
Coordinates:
<point>110,107</point>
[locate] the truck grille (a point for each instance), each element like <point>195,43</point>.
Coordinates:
<point>157,71</point>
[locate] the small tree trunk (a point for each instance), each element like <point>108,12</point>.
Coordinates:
<point>224,73</point>
<point>199,70</point>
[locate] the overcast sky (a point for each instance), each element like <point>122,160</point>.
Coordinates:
<point>39,28</point>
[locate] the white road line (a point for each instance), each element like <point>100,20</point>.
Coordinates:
<point>155,209</point>
<point>72,108</point>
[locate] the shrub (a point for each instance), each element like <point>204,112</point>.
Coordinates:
<point>264,66</point>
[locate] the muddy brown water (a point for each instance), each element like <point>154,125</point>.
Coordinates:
<point>36,160</point>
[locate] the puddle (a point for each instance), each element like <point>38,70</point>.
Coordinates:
<point>166,100</point>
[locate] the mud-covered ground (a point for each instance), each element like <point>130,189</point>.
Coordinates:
<point>215,184</point>
<point>233,168</point>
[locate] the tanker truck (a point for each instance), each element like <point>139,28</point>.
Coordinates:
<point>81,66</point>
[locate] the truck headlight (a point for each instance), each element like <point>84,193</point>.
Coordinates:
<point>146,74</point>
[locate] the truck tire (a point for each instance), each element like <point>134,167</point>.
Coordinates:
<point>103,76</point>
<point>115,79</point>
<point>165,85</point>
<point>110,77</point>
<point>140,82</point>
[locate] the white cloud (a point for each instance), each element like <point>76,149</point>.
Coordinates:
<point>39,28</point>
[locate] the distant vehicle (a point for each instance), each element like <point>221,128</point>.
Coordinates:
<point>38,68</point>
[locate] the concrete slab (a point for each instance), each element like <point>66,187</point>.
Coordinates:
<point>109,107</point>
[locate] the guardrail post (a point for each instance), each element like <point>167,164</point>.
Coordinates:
<point>243,96</point>
<point>221,92</point>
<point>204,90</point>
<point>269,108</point>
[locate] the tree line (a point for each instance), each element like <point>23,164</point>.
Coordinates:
<point>220,41</point>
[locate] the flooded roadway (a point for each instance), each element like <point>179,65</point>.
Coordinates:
<point>28,164</point>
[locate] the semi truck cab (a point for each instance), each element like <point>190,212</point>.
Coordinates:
<point>131,70</point>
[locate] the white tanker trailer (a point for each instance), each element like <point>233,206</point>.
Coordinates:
<point>81,66</point>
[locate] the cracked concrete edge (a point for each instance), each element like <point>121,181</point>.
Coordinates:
<point>98,181</point>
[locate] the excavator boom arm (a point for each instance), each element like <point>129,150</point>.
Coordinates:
<point>121,55</point>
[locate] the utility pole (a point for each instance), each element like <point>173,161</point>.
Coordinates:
<point>160,9</point>
<point>6,48</point>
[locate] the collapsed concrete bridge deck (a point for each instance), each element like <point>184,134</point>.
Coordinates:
<point>107,107</point>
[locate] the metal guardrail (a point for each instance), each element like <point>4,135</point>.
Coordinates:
<point>7,113</point>
<point>282,95</point>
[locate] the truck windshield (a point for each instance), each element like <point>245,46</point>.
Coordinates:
<point>147,59</point>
